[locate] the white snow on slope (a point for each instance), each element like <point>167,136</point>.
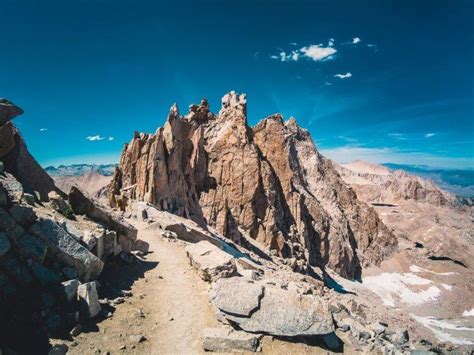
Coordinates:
<point>442,329</point>
<point>468,313</point>
<point>392,287</point>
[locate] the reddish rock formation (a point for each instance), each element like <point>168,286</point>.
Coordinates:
<point>266,183</point>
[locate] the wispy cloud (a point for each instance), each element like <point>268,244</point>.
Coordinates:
<point>380,155</point>
<point>98,137</point>
<point>348,139</point>
<point>356,40</point>
<point>43,129</point>
<point>315,52</point>
<point>399,136</point>
<point>343,76</point>
<point>429,135</point>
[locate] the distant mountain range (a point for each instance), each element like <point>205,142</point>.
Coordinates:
<point>80,169</point>
<point>457,181</point>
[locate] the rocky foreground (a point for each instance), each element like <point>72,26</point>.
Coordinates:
<point>219,242</point>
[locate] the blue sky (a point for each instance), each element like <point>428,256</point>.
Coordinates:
<point>385,81</point>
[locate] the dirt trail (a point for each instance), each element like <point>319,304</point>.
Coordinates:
<point>173,299</point>
<point>169,306</point>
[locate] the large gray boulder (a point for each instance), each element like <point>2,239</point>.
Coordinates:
<point>211,262</point>
<point>228,340</point>
<point>4,244</point>
<point>223,296</point>
<point>67,250</point>
<point>280,312</point>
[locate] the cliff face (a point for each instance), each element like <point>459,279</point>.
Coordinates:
<point>267,183</point>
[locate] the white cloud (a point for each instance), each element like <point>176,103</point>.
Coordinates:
<point>95,138</point>
<point>315,52</point>
<point>429,135</point>
<point>343,76</point>
<point>43,129</point>
<point>331,42</point>
<point>355,40</point>
<point>350,153</point>
<point>98,137</point>
<point>328,83</point>
<point>371,45</point>
<point>294,43</point>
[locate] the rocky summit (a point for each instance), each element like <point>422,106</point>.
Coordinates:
<point>265,186</point>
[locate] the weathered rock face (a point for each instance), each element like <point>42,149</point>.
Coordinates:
<point>267,183</point>
<point>16,158</point>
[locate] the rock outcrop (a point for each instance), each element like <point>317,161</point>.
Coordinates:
<point>16,158</point>
<point>46,251</point>
<point>266,184</point>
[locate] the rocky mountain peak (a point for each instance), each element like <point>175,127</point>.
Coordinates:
<point>262,187</point>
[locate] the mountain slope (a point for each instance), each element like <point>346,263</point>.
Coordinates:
<point>266,184</point>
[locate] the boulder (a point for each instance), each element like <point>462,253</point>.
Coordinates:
<point>45,276</point>
<point>70,289</point>
<point>4,244</point>
<point>66,249</point>
<point>8,111</point>
<point>85,205</point>
<point>29,199</point>
<point>3,197</point>
<point>228,340</point>
<point>280,312</point>
<point>224,291</point>
<point>211,262</point>
<point>32,247</point>
<point>89,299</point>
<point>12,187</point>
<point>23,215</point>
<point>57,203</point>
<point>141,246</point>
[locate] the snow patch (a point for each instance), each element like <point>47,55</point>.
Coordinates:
<point>468,313</point>
<point>392,287</point>
<point>416,269</point>
<point>440,327</point>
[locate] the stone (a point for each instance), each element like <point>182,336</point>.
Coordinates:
<point>70,289</point>
<point>3,197</point>
<point>224,291</point>
<point>66,249</point>
<point>268,180</point>
<point>76,330</point>
<point>23,215</point>
<point>4,244</point>
<point>400,337</point>
<point>45,276</point>
<point>89,300</point>
<point>29,199</point>
<point>70,272</point>
<point>12,187</point>
<point>84,205</point>
<point>59,349</point>
<point>211,262</point>
<point>137,338</point>
<point>8,111</point>
<point>31,247</point>
<point>228,340</point>
<point>141,246</point>
<point>58,203</point>
<point>378,328</point>
<point>297,315</point>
